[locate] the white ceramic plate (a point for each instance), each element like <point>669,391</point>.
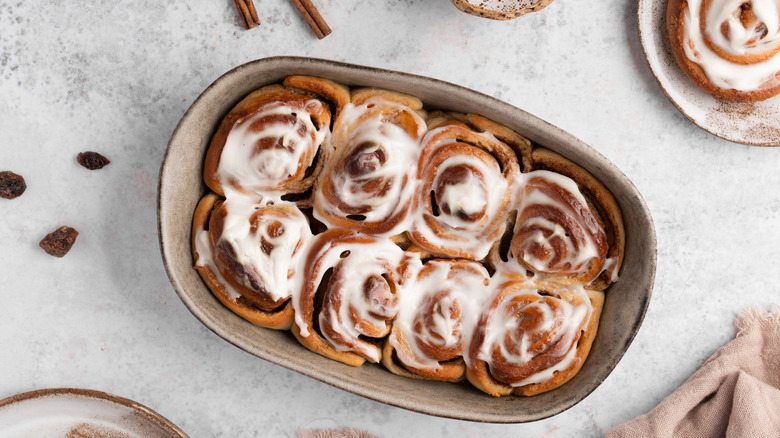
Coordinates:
<point>755,124</point>
<point>80,413</point>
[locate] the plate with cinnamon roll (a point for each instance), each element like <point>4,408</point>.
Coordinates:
<point>404,239</point>
<point>718,62</point>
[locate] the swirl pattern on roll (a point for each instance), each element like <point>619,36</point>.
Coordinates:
<point>437,313</point>
<point>465,191</point>
<point>727,47</point>
<point>350,295</point>
<point>369,184</point>
<point>527,335</point>
<point>268,143</point>
<point>556,232</point>
<point>250,251</point>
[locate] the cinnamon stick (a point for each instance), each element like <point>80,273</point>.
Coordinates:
<point>312,17</point>
<point>247,12</point>
<point>253,11</point>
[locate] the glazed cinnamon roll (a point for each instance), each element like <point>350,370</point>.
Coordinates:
<point>248,252</point>
<point>350,295</point>
<point>465,190</point>
<point>532,337</point>
<point>369,183</point>
<point>601,204</point>
<point>556,234</point>
<point>270,142</point>
<point>437,312</point>
<point>727,48</point>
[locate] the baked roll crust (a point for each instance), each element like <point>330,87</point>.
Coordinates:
<point>519,144</point>
<point>437,313</point>
<point>466,182</point>
<point>271,140</point>
<point>369,185</point>
<point>533,337</point>
<point>247,253</point>
<point>729,49</point>
<point>349,297</point>
<point>601,203</point>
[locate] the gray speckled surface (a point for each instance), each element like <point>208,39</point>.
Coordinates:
<point>115,77</point>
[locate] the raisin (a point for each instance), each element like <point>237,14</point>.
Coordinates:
<point>92,160</point>
<point>59,242</point>
<point>11,185</point>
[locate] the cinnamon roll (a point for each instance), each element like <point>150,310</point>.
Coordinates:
<point>350,295</point>
<point>437,312</point>
<point>532,337</point>
<point>270,142</point>
<point>248,252</point>
<point>727,48</point>
<point>601,204</point>
<point>465,190</point>
<point>369,184</point>
<point>556,234</point>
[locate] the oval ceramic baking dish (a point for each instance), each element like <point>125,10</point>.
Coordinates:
<point>181,187</point>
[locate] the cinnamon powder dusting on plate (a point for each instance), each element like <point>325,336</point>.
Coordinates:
<point>749,118</point>
<point>85,430</point>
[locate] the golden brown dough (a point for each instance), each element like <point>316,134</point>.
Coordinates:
<point>349,297</point>
<point>431,331</point>
<point>693,54</point>
<point>601,201</point>
<point>499,365</point>
<point>368,185</point>
<point>521,145</point>
<point>466,182</point>
<point>301,113</point>
<point>253,305</point>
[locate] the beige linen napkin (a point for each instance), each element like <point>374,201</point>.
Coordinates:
<point>735,393</point>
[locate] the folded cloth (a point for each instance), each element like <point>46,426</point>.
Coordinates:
<point>735,393</point>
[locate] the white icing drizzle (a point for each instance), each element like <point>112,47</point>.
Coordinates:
<point>471,196</point>
<point>611,261</point>
<point>357,262</point>
<point>722,72</point>
<point>503,325</point>
<point>267,169</point>
<point>547,373</point>
<point>366,136</point>
<point>578,256</point>
<point>609,264</point>
<point>274,269</point>
<point>465,197</point>
<point>465,289</point>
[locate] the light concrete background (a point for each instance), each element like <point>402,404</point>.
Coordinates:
<point>116,76</point>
